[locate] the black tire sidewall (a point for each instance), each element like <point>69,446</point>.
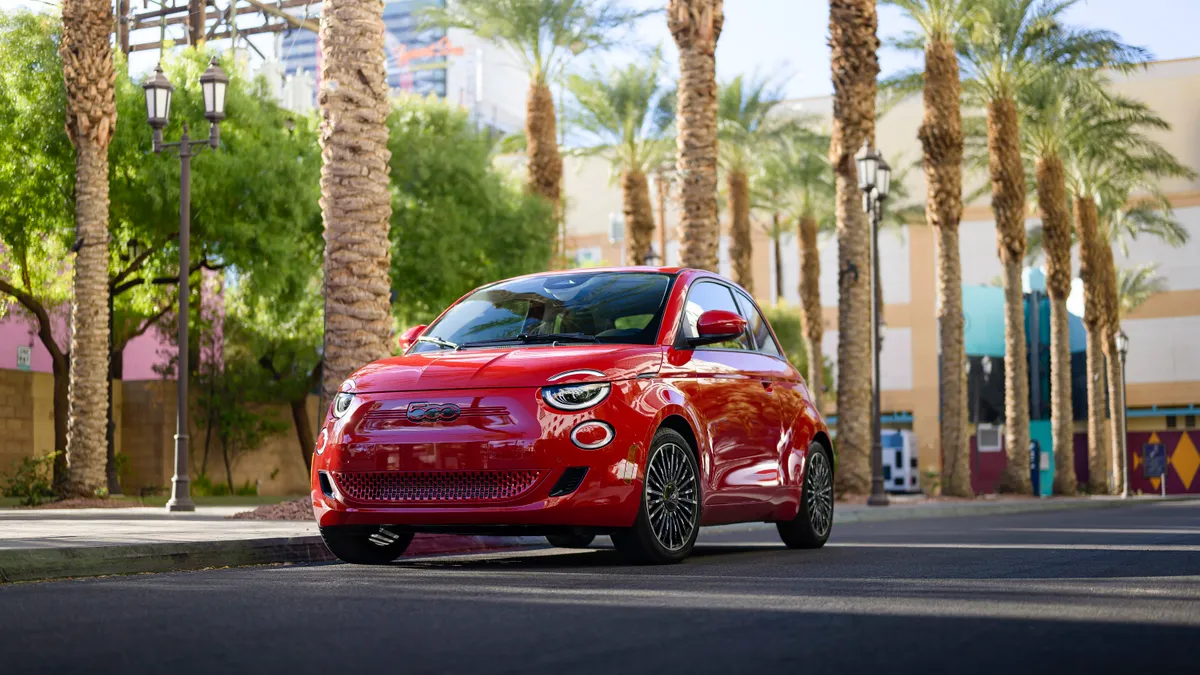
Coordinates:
<point>353,545</point>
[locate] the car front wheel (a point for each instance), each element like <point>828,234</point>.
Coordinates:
<point>812,525</point>
<point>668,519</point>
<point>366,545</point>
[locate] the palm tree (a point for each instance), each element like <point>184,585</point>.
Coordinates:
<point>543,35</point>
<point>627,112</point>
<point>742,110</point>
<point>855,65</point>
<point>796,181</point>
<point>1108,164</point>
<point>941,135</point>
<point>355,191</point>
<point>1136,285</point>
<point>1006,46</point>
<point>91,118</point>
<point>696,27</point>
<point>1057,109</point>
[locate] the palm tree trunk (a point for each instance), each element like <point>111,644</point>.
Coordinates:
<point>941,138</point>
<point>639,216</point>
<point>1091,272</point>
<point>1116,379</point>
<point>660,184</point>
<point>91,117</point>
<point>355,191</point>
<point>1008,204</point>
<point>739,229</point>
<point>812,321</point>
<point>1056,228</point>
<point>776,239</point>
<point>304,429</point>
<point>854,65</point>
<point>541,145</point>
<point>696,27</point>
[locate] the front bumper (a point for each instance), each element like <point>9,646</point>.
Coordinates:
<point>498,464</point>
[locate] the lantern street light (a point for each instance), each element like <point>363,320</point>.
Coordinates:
<point>874,179</point>
<point>158,89</point>
<point>1122,341</point>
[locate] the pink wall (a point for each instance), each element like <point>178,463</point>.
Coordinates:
<point>17,328</point>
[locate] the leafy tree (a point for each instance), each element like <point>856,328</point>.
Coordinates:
<point>627,113</point>
<point>456,222</point>
<point>544,35</point>
<point>37,184</point>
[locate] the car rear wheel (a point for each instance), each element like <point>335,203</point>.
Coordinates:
<point>668,519</point>
<point>570,540</point>
<point>366,545</point>
<point>813,523</point>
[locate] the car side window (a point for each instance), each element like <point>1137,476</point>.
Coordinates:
<point>757,325</point>
<point>701,298</point>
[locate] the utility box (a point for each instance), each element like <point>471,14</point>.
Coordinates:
<point>900,470</point>
<point>1041,458</point>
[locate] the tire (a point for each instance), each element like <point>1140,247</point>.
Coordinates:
<point>365,545</point>
<point>814,521</point>
<point>671,491</point>
<point>570,540</point>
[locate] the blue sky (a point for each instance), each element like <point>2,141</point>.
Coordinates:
<point>787,38</point>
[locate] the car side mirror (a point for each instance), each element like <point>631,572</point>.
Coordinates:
<point>717,325</point>
<point>408,337</point>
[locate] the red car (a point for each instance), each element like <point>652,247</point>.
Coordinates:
<point>640,403</point>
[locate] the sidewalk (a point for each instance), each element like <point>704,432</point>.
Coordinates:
<point>47,544</point>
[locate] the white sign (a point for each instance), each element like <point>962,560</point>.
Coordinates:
<point>24,357</point>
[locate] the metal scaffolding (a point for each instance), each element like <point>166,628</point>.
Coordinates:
<point>168,22</point>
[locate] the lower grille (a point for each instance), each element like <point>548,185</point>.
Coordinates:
<point>436,486</point>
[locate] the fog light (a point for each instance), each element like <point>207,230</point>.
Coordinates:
<point>592,435</point>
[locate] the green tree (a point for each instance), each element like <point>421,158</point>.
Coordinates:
<point>626,115</point>
<point>1005,47</point>
<point>456,221</point>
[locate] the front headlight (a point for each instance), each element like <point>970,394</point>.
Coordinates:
<point>575,396</point>
<point>341,403</point>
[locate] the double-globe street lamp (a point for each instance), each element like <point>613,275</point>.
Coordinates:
<point>158,91</point>
<point>874,179</point>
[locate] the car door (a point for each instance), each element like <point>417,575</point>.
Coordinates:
<point>725,384</point>
<point>769,364</point>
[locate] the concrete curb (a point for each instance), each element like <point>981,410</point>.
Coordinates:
<point>989,508</point>
<point>89,561</point>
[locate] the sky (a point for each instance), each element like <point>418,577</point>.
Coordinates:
<point>786,39</point>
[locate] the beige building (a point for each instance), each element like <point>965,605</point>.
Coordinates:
<point>1164,359</point>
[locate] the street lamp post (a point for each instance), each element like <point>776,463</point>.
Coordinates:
<point>874,179</point>
<point>158,107</point>
<point>1123,349</point>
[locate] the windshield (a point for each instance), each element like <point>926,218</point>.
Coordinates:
<point>607,307</point>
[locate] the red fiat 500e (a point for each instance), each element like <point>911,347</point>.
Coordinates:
<point>641,403</point>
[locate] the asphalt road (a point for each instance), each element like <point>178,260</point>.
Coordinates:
<point>1095,591</point>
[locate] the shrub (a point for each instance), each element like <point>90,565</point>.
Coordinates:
<point>31,478</point>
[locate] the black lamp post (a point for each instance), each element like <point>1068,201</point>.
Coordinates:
<point>874,179</point>
<point>1123,348</point>
<point>158,107</point>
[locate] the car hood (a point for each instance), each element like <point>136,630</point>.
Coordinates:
<point>505,367</point>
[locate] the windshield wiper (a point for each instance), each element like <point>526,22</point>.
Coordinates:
<point>531,338</point>
<point>439,342</point>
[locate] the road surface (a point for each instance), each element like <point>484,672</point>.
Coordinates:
<point>1082,591</point>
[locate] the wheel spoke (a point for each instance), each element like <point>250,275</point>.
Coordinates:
<point>671,496</point>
